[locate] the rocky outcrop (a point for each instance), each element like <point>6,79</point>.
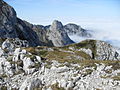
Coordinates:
<point>36,68</point>
<point>105,51</point>
<point>69,78</point>
<point>20,61</point>
<point>73,29</point>
<point>13,27</point>
<point>9,45</point>
<point>26,61</point>
<point>41,31</point>
<point>25,32</point>
<point>36,35</point>
<point>8,20</point>
<point>96,49</point>
<point>57,34</point>
<point>61,76</point>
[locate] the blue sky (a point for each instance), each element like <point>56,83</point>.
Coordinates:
<point>102,16</point>
<point>45,11</point>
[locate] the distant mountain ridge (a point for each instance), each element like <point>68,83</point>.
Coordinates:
<point>73,29</point>
<point>37,35</point>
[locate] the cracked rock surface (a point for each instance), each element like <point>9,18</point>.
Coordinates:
<point>57,68</point>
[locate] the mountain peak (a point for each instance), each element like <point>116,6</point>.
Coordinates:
<point>56,25</point>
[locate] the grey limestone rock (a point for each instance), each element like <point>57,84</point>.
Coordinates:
<point>73,29</point>
<point>36,35</point>
<point>8,20</point>
<point>98,50</point>
<point>57,34</point>
<point>106,51</point>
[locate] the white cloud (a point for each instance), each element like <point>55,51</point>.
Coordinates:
<point>106,31</point>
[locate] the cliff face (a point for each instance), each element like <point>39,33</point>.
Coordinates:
<point>97,50</point>
<point>36,35</point>
<point>8,20</point>
<point>57,34</point>
<point>13,27</point>
<point>73,29</point>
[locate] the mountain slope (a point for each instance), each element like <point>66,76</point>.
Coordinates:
<point>37,35</point>
<point>8,20</point>
<point>97,49</point>
<point>57,34</point>
<point>73,29</point>
<point>13,27</point>
<point>74,67</point>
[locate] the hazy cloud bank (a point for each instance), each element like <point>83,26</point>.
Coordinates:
<point>109,32</point>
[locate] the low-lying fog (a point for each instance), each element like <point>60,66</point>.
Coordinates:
<point>109,32</point>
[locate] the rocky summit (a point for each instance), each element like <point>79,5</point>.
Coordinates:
<point>37,57</point>
<point>73,29</point>
<point>37,35</point>
<point>57,34</point>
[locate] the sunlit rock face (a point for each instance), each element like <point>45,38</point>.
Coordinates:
<point>57,34</point>
<point>77,33</point>
<point>56,25</point>
<point>73,29</point>
<point>98,50</point>
<point>13,27</point>
<point>105,51</point>
<point>37,35</point>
